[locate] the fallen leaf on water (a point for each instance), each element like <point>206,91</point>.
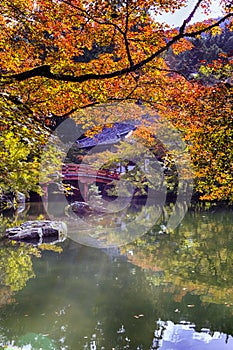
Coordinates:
<point>138,316</point>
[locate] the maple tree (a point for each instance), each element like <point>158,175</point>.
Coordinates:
<point>204,115</point>
<point>60,57</point>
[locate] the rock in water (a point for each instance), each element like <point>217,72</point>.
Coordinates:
<point>84,209</point>
<point>38,232</point>
<point>81,208</point>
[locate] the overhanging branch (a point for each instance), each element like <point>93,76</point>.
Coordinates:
<point>45,70</point>
<point>216,24</point>
<point>188,19</point>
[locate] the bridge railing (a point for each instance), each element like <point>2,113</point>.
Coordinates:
<point>85,170</point>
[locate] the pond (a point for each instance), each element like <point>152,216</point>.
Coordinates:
<point>162,291</point>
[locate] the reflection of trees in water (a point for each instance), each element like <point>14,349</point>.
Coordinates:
<point>16,265</point>
<point>15,269</point>
<point>94,286</point>
<point>199,252</point>
<point>110,227</point>
<point>195,261</point>
<point>82,286</point>
<point>91,286</point>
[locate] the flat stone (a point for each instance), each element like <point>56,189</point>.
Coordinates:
<point>38,232</point>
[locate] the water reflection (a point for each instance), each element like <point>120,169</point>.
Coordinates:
<point>164,291</point>
<point>184,336</point>
<point>16,266</point>
<point>107,229</point>
<point>196,258</point>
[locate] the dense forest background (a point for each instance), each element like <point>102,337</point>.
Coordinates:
<point>206,51</point>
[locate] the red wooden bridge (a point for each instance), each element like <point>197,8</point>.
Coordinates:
<point>88,174</point>
<point>80,176</point>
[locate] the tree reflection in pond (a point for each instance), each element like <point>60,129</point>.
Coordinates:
<point>16,266</point>
<point>196,259</point>
<point>90,297</point>
<point>193,265</point>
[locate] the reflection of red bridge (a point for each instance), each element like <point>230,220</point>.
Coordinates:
<point>88,174</point>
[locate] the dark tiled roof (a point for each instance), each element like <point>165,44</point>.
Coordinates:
<point>108,135</point>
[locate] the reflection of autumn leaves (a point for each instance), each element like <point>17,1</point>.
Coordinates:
<point>196,258</point>
<point>5,295</point>
<point>16,265</point>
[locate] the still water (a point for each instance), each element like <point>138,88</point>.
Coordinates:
<point>163,291</point>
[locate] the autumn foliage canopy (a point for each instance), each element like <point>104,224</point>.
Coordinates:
<point>60,57</point>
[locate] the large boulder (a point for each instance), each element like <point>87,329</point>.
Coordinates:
<point>38,232</point>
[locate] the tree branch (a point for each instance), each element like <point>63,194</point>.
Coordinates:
<point>188,19</point>
<point>125,35</point>
<point>198,32</point>
<point>45,70</point>
<point>41,71</point>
